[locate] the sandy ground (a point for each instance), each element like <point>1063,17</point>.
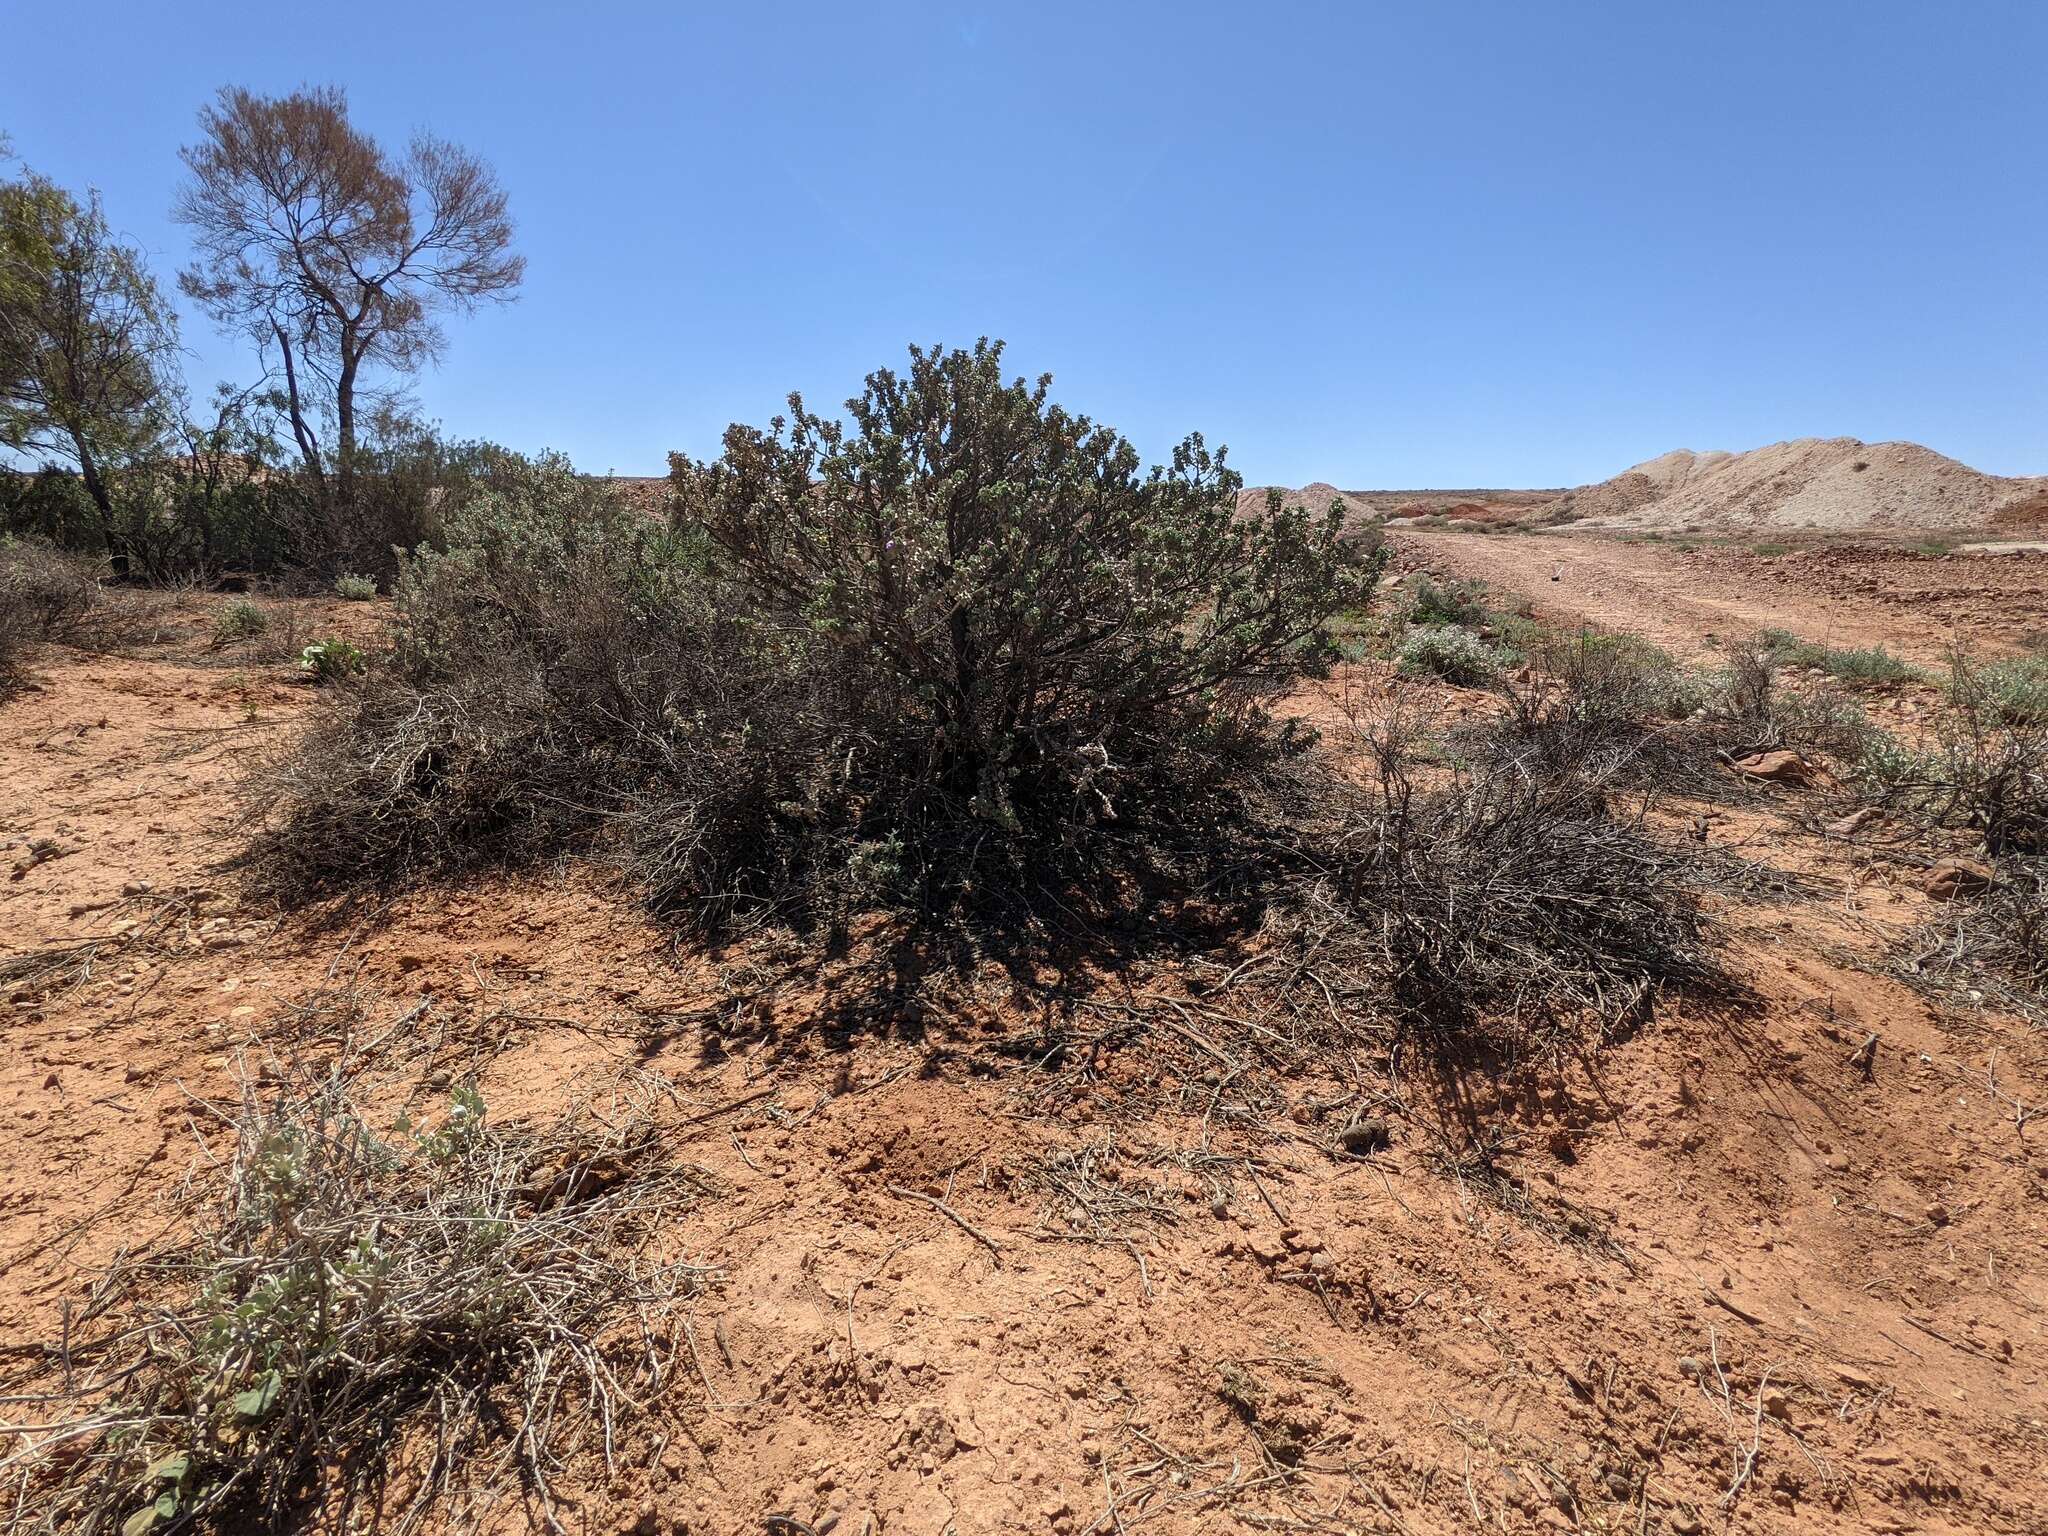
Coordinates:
<point>1865,1259</point>
<point>1692,601</point>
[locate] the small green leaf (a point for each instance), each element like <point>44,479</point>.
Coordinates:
<point>257,1401</point>
<point>170,1469</point>
<point>150,1516</point>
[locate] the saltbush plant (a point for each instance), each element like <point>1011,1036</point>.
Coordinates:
<point>929,656</point>
<point>356,589</point>
<point>1451,653</point>
<point>331,661</point>
<point>237,620</point>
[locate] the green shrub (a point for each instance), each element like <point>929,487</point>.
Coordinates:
<point>239,620</point>
<point>1874,667</point>
<point>966,628</point>
<point>1446,651</point>
<point>331,661</point>
<point>1457,602</point>
<point>357,589</point>
<point>2017,689</point>
<point>1868,667</point>
<point>1770,549</point>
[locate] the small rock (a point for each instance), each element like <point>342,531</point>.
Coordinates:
<point>1937,1214</point>
<point>1854,822</point>
<point>1777,1406</point>
<point>1690,1368</point>
<point>1369,1135</point>
<point>1776,767</point>
<point>1956,877</point>
<point>1838,1162</point>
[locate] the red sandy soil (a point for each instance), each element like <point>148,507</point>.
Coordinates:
<point>1691,599</point>
<point>1865,1259</point>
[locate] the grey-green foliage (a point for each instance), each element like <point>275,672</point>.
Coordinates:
<point>924,656</point>
<point>1026,614</point>
<point>239,619</point>
<point>1446,651</point>
<point>355,588</point>
<point>2016,689</point>
<point>347,1289</point>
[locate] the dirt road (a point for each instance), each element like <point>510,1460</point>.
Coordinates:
<point>1689,600</point>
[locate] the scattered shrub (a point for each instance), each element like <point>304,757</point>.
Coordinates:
<point>1770,549</point>
<point>45,595</point>
<point>1602,709</point>
<point>346,1293</point>
<point>1874,667</point>
<point>1869,667</point>
<point>239,620</point>
<point>1457,602</point>
<point>1445,651</point>
<point>1995,943</point>
<point>357,589</point>
<point>2016,689</point>
<point>331,661</point>
<point>1985,771</point>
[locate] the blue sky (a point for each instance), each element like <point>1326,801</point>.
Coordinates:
<point>1427,244</point>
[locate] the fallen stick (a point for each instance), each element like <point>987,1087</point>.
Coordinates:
<point>995,1248</point>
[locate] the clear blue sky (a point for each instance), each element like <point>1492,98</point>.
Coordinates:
<point>1425,244</point>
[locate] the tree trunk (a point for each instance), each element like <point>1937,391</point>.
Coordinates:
<point>96,488</point>
<point>309,449</point>
<point>345,425</point>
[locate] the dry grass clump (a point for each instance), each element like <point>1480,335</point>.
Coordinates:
<point>45,595</point>
<point>1506,913</point>
<point>361,1324</point>
<point>1984,770</point>
<point>1611,710</point>
<point>1995,944</point>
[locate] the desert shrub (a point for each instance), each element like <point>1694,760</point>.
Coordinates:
<point>1456,602</point>
<point>539,662</point>
<point>237,620</point>
<point>1871,667</point>
<point>1865,667</point>
<point>355,588</point>
<point>1995,943</point>
<point>2016,689</point>
<point>1028,636</point>
<point>331,661</point>
<point>1600,709</point>
<point>1449,652</point>
<point>923,661</point>
<point>1035,616</point>
<point>1770,549</point>
<point>45,594</point>
<point>345,1294</point>
<point>1505,914</point>
<point>1981,771</point>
